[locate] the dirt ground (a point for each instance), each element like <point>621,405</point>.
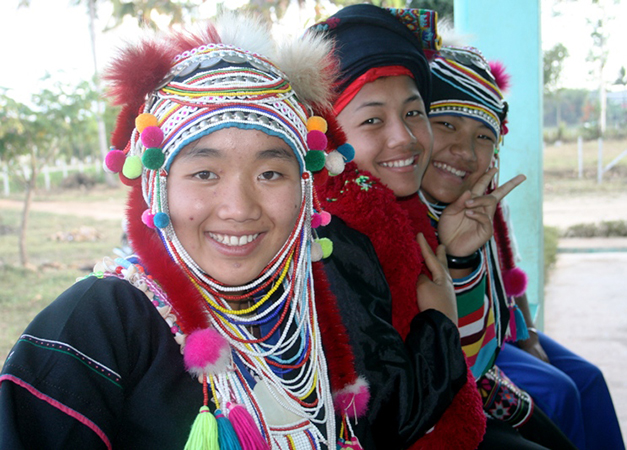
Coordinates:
<point>97,210</point>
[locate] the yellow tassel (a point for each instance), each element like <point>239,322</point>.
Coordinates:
<point>204,433</point>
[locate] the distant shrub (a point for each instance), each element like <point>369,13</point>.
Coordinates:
<point>612,228</point>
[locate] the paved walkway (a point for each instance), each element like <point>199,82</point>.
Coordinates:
<point>586,308</point>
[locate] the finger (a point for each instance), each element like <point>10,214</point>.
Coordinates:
<point>483,182</point>
<point>436,264</point>
<point>459,204</point>
<point>484,201</point>
<point>427,253</point>
<point>506,188</point>
<point>484,220</point>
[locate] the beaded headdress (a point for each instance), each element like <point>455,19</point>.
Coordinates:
<point>176,89</point>
<point>465,84</point>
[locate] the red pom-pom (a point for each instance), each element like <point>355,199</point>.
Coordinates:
<point>353,399</point>
<point>115,160</point>
<point>206,352</point>
<point>515,281</point>
<point>128,181</point>
<point>152,137</point>
<point>316,140</point>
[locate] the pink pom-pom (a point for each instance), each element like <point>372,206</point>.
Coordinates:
<point>148,219</point>
<point>115,160</point>
<point>515,281</point>
<point>316,220</point>
<point>353,399</point>
<point>326,218</point>
<point>152,137</point>
<point>316,140</point>
<point>206,352</point>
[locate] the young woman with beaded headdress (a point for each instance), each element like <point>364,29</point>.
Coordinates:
<point>468,117</point>
<point>221,331</point>
<point>395,296</point>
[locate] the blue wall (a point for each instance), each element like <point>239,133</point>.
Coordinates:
<point>509,31</point>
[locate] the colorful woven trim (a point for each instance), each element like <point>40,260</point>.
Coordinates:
<point>423,23</point>
<point>467,109</point>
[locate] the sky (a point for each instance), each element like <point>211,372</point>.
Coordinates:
<point>51,36</point>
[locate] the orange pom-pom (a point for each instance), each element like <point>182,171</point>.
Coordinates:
<point>316,123</point>
<point>145,120</point>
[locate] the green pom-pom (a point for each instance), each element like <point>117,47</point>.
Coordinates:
<point>314,160</point>
<point>153,158</point>
<point>326,245</point>
<point>204,433</point>
<point>161,220</point>
<point>132,167</point>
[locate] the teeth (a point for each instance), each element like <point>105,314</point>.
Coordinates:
<point>233,241</point>
<point>401,163</point>
<point>454,171</point>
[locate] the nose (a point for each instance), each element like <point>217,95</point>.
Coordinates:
<point>463,145</point>
<point>238,201</point>
<point>400,134</point>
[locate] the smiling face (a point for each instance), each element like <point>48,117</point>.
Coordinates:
<point>462,151</point>
<point>234,198</point>
<point>387,125</point>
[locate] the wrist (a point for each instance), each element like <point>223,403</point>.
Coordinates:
<point>463,262</point>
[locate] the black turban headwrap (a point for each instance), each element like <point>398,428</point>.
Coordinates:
<point>366,37</point>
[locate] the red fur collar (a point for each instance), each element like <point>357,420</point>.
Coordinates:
<point>366,205</point>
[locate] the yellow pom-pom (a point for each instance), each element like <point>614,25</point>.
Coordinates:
<point>145,120</point>
<point>132,167</point>
<point>316,123</point>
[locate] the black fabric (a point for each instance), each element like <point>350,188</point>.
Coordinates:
<point>412,382</point>
<point>537,433</point>
<point>152,405</point>
<point>367,36</point>
<point>539,428</point>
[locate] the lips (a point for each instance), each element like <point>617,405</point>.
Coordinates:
<point>233,241</point>
<point>450,169</point>
<point>399,162</point>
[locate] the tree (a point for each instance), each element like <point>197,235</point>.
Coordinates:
<point>553,63</point>
<point>31,136</point>
<point>143,11</point>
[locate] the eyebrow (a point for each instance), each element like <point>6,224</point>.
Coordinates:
<point>410,99</point>
<point>271,153</point>
<point>280,153</point>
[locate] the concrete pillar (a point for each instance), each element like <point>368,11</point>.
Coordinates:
<point>509,31</point>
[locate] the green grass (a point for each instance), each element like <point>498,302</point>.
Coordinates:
<point>56,264</point>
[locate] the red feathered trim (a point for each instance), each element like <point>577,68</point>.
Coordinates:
<point>501,77</point>
<point>184,297</point>
<point>124,125</point>
<point>137,70</point>
<point>373,210</point>
<point>337,349</point>
<point>514,278</point>
<point>462,425</point>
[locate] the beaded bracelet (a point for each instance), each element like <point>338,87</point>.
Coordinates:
<point>463,262</point>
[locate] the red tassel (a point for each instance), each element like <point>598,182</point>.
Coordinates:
<point>246,429</point>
